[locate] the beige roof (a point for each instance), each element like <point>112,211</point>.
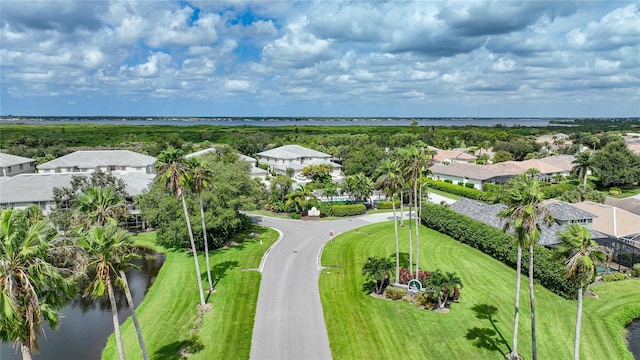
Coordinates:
<point>442,155</point>
<point>625,223</point>
<point>471,171</point>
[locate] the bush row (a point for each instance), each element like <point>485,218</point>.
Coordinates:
<point>348,210</point>
<point>462,190</point>
<point>387,204</point>
<point>499,245</point>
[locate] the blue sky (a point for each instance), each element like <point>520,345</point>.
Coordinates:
<point>320,58</point>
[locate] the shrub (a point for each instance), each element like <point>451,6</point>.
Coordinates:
<point>636,270</point>
<point>471,193</point>
<point>448,181</point>
<point>349,210</point>
<point>553,191</point>
<point>425,299</point>
<point>387,205</point>
<point>614,191</point>
<point>395,293</point>
<point>613,277</point>
<point>470,185</point>
<point>406,275</point>
<point>295,216</point>
<point>460,183</point>
<point>499,245</point>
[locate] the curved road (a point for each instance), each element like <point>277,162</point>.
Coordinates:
<point>289,322</point>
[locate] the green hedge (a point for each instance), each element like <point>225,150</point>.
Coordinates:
<point>348,210</point>
<point>462,190</point>
<point>499,245</point>
<point>383,205</point>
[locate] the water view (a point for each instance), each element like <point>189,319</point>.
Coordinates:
<point>85,324</point>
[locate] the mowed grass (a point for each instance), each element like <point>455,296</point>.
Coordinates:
<point>479,327</point>
<point>169,309</point>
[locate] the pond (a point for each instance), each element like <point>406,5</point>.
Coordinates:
<point>633,338</point>
<point>85,324</point>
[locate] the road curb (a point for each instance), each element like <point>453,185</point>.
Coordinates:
<point>266,253</point>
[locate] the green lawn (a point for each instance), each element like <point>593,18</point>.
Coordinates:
<point>363,327</point>
<point>169,308</point>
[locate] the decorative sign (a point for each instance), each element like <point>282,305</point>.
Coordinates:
<point>314,212</point>
<point>414,286</point>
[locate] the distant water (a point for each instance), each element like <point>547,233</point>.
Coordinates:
<point>184,121</point>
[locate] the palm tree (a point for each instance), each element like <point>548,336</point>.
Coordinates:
<point>523,210</point>
<point>298,198</point>
<point>444,284</point>
<point>199,175</point>
<point>31,288</point>
<point>389,180</point>
<point>581,254</point>
<point>377,269</point>
<point>108,250</point>
<point>97,206</point>
<point>360,186</point>
<point>331,190</point>
<point>582,165</point>
<point>172,169</point>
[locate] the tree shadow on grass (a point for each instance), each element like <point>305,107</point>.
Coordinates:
<point>487,338</point>
<point>170,351</point>
<point>404,259</point>
<point>368,287</point>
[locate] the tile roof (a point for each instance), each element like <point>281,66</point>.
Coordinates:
<point>611,220</point>
<point>290,152</point>
<point>10,160</point>
<point>471,171</point>
<point>24,188</point>
<point>561,210</point>
<point>488,214</point>
<point>631,205</point>
<point>95,158</point>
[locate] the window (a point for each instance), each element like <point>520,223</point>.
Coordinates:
<point>21,166</point>
<point>111,168</point>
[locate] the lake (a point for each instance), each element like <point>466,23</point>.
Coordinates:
<point>85,324</point>
<point>302,121</point>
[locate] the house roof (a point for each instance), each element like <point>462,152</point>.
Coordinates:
<point>631,205</point>
<point>611,220</point>
<point>201,152</point>
<point>95,158</point>
<point>561,210</point>
<point>442,155</point>
<point>471,171</point>
<point>25,188</point>
<point>256,171</point>
<point>290,152</point>
<point>10,160</point>
<point>299,167</point>
<point>488,214</point>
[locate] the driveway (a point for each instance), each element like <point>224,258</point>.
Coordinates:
<point>289,322</point>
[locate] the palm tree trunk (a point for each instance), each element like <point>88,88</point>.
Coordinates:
<point>193,249</point>
<point>584,177</point>
<point>534,345</point>
<point>26,351</point>
<point>395,229</point>
<point>514,348</point>
<point>206,245</point>
<point>401,208</point>
<point>127,293</point>
<point>410,233</point>
<point>415,200</point>
<point>114,317</point>
<point>576,346</point>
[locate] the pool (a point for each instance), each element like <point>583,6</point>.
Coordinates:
<point>601,269</point>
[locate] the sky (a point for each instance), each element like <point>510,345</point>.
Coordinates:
<point>320,58</point>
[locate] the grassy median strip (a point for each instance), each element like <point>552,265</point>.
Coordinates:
<point>480,326</point>
<point>169,309</point>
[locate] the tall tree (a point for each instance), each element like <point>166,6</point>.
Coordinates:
<point>615,165</point>
<point>377,269</point>
<point>582,166</point>
<point>99,205</point>
<point>581,255</point>
<point>172,167</point>
<point>359,186</point>
<point>330,190</point>
<point>198,175</point>
<point>108,250</point>
<point>389,180</point>
<point>31,288</point>
<point>523,211</point>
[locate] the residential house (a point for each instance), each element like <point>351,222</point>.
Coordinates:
<point>254,171</point>
<point>561,213</point>
<point>11,165</point>
<point>500,173</point>
<point>109,161</point>
<point>451,156</point>
<point>21,191</point>
<point>295,157</point>
<point>613,221</point>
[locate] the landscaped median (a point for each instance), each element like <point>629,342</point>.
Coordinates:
<point>480,326</point>
<point>168,311</point>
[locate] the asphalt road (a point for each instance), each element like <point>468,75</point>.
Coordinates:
<point>289,322</point>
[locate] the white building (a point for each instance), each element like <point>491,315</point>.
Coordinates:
<point>109,161</point>
<point>295,157</point>
<point>11,165</point>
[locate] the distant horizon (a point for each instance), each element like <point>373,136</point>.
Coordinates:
<point>221,117</point>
